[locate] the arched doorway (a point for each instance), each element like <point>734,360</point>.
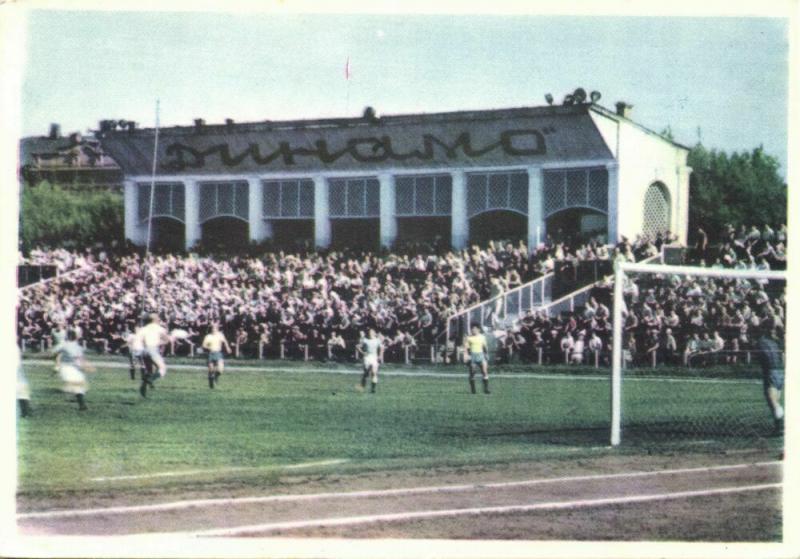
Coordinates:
<point>293,235</point>
<point>355,234</point>
<point>167,234</point>
<point>577,225</point>
<point>498,225</point>
<point>423,231</point>
<point>225,234</point>
<point>657,211</point>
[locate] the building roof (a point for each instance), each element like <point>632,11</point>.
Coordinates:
<point>487,138</point>
<point>614,116</point>
<point>62,151</point>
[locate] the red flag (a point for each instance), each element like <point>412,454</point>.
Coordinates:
<point>347,69</point>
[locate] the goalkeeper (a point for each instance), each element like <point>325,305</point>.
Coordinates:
<point>476,353</point>
<point>769,353</point>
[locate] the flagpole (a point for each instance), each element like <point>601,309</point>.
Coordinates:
<point>150,210</point>
<point>347,78</point>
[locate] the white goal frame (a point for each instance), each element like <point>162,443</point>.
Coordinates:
<point>620,272</point>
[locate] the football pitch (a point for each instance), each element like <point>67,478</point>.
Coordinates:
<point>293,429</point>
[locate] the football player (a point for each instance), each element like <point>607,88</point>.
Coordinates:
<point>213,344</point>
<point>70,364</point>
<point>153,335</point>
<point>371,348</point>
<point>476,353</point>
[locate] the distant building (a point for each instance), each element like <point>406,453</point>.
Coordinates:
<point>375,180</point>
<point>67,160</point>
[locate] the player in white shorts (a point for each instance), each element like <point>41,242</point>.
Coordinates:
<point>213,344</point>
<point>153,336</point>
<point>70,364</point>
<point>23,389</point>
<point>135,352</point>
<point>371,348</point>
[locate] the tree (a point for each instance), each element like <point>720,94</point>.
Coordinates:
<point>741,189</point>
<point>53,216</point>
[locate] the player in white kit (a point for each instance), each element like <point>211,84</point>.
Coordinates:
<point>70,365</point>
<point>153,336</point>
<point>371,348</point>
<point>23,389</point>
<point>135,352</point>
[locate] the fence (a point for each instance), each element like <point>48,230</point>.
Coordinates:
<point>406,354</point>
<point>47,277</point>
<point>724,357</point>
<point>28,274</point>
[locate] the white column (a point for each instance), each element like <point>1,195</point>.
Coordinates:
<point>613,202</point>
<point>536,224</point>
<point>388,224</point>
<point>459,235</point>
<point>322,219</point>
<point>134,230</point>
<point>192,218</point>
<point>681,205</point>
<point>258,226</point>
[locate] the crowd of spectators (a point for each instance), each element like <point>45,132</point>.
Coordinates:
<point>669,319</point>
<point>319,303</point>
<point>283,302</point>
<point>293,300</point>
<point>742,248</point>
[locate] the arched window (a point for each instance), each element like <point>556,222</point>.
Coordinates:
<point>224,199</point>
<point>656,210</point>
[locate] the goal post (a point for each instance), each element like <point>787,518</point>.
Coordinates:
<point>623,271</point>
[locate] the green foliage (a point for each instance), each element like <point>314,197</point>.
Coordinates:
<point>51,215</point>
<point>740,189</point>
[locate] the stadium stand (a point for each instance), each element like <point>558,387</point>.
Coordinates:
<point>315,305</point>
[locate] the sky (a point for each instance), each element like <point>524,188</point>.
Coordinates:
<point>721,80</point>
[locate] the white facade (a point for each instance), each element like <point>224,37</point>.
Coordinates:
<point>643,159</point>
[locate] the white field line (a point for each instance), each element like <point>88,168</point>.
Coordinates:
<point>176,505</point>
<point>413,515</point>
<point>167,474</point>
<point>424,373</point>
<point>218,470</point>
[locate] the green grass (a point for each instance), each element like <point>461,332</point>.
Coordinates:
<point>264,420</point>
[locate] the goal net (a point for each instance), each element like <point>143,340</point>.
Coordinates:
<point>686,365</point>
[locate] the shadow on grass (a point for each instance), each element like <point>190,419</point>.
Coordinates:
<point>559,436</point>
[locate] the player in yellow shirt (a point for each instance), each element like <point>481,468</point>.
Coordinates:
<point>213,344</point>
<point>476,352</point>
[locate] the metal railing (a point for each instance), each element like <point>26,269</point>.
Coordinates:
<point>511,303</point>
<point>578,298</point>
<point>534,295</point>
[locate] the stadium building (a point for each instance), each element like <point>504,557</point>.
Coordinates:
<point>458,177</point>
